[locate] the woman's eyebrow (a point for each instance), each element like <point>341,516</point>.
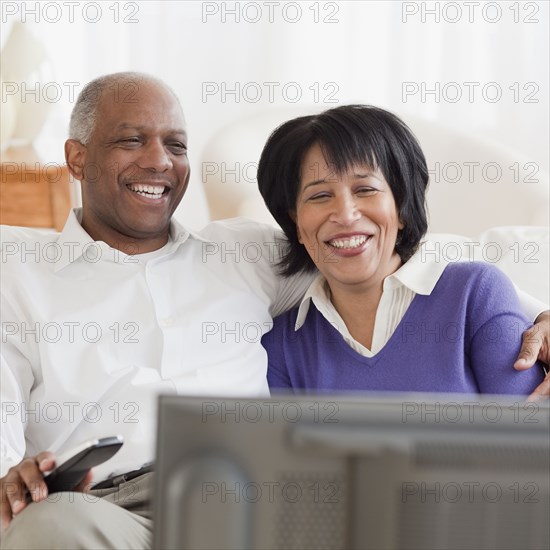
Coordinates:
<point>315,182</point>
<point>364,175</point>
<point>357,175</point>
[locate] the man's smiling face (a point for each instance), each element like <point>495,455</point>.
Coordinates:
<point>135,168</point>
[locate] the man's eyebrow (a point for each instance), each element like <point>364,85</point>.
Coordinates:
<point>130,126</point>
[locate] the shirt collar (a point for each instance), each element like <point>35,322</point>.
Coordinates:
<point>317,291</point>
<point>420,274</point>
<point>74,242</point>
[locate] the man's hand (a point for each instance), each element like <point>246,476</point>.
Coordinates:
<point>536,345</point>
<point>27,478</point>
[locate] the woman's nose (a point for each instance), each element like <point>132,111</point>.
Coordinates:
<point>345,210</point>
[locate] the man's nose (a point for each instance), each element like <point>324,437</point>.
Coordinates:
<point>155,157</point>
<point>345,210</point>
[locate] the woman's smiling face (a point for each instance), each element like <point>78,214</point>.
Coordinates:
<point>348,223</point>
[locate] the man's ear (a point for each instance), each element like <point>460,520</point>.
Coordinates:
<point>75,155</point>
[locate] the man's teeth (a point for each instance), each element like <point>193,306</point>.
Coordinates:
<point>353,242</point>
<point>149,191</point>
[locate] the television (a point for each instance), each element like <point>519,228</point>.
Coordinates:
<point>392,471</point>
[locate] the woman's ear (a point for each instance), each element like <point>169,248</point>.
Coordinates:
<point>400,225</point>
<point>75,156</point>
<point>292,215</point>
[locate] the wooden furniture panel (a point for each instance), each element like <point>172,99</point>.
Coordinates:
<point>34,195</point>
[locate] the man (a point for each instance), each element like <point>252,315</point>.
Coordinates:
<point>124,304</point>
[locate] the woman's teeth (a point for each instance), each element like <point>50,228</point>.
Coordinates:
<point>353,242</point>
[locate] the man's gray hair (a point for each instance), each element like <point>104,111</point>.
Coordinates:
<point>122,85</point>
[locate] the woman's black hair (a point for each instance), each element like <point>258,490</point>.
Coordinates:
<point>348,136</point>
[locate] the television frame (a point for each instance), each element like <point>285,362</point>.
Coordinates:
<point>370,471</point>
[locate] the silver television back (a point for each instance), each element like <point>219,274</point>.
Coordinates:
<point>354,472</point>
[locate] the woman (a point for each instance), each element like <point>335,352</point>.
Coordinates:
<point>348,189</point>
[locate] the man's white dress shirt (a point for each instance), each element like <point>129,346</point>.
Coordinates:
<point>91,336</point>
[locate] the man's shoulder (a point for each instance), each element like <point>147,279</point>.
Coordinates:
<point>24,249</point>
<point>13,236</point>
<point>240,230</point>
<point>16,234</point>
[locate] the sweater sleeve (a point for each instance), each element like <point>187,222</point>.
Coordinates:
<point>496,324</point>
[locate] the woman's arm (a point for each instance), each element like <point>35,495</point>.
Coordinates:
<point>277,372</point>
<point>498,323</point>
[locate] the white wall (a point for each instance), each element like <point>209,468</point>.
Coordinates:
<point>362,51</point>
